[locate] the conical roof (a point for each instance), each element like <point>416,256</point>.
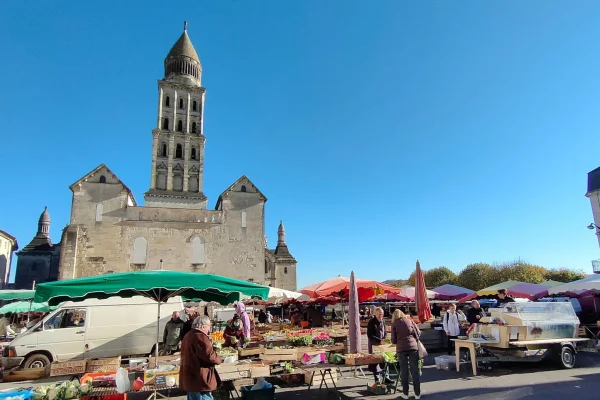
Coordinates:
<point>183,48</point>
<point>45,217</point>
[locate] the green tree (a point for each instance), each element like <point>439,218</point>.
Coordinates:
<point>397,282</point>
<point>439,276</point>
<point>411,279</point>
<point>476,276</point>
<point>519,271</point>
<point>564,275</point>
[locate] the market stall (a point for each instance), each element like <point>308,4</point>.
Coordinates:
<point>524,332</point>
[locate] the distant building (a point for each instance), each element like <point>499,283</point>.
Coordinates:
<point>38,261</point>
<point>593,193</point>
<point>109,232</point>
<point>8,244</point>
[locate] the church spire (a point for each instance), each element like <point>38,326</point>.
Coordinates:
<point>182,63</point>
<point>281,234</point>
<point>44,224</point>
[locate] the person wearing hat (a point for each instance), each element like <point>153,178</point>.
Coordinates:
<point>503,298</point>
<point>234,333</point>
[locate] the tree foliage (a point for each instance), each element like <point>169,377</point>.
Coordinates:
<point>477,276</point>
<point>481,275</point>
<point>440,276</point>
<point>564,275</point>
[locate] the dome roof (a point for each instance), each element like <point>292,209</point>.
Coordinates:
<point>182,64</point>
<point>45,217</point>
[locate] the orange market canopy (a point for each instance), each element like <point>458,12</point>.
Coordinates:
<point>340,287</point>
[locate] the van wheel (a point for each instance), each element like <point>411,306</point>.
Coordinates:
<point>36,361</point>
<point>567,357</point>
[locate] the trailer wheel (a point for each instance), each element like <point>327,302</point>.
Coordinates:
<point>567,357</point>
<point>37,360</point>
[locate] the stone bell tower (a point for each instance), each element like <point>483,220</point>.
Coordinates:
<point>178,139</point>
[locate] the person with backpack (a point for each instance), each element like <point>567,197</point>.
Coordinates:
<point>451,323</point>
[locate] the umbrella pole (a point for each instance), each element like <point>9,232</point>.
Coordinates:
<point>157,333</point>
<point>29,313</point>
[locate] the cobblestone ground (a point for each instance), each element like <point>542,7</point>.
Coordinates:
<point>503,382</point>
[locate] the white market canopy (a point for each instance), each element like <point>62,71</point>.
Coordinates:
<point>277,295</point>
<point>592,282</point>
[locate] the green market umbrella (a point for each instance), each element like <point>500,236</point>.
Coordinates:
<point>25,306</point>
<point>158,285</point>
<point>10,295</point>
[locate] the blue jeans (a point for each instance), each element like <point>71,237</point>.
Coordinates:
<point>199,396</point>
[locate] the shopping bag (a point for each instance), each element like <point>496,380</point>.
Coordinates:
<point>422,351</point>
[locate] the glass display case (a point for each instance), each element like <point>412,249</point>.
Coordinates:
<point>542,320</point>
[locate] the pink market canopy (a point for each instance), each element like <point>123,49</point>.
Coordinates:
<point>588,284</point>
<point>451,292</point>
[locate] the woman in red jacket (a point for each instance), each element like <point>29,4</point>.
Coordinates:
<point>234,333</point>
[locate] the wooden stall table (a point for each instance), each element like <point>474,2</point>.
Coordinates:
<point>324,371</point>
<point>468,344</point>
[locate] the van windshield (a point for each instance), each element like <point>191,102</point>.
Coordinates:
<point>67,318</point>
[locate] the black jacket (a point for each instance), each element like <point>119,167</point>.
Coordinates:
<point>473,313</point>
<point>505,301</point>
<point>376,329</point>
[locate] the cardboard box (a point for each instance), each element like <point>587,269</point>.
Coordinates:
<point>293,351</point>
<point>230,371</point>
<point>161,378</point>
<point>162,360</point>
<point>255,351</point>
<point>103,365</point>
<point>314,357</point>
<point>367,360</point>
<point>68,368</point>
<point>316,379</point>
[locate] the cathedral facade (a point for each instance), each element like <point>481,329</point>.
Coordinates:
<point>174,230</point>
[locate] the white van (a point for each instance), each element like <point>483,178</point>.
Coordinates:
<point>91,329</point>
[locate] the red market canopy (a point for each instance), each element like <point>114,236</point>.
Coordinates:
<point>451,292</point>
<point>389,297</point>
<point>340,287</point>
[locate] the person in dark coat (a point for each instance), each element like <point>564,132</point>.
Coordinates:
<point>262,317</point>
<point>197,374</point>
<point>376,334</point>
<point>436,311</point>
<point>187,325</point>
<point>475,313</point>
<point>503,298</point>
<point>405,334</point>
<point>234,333</point>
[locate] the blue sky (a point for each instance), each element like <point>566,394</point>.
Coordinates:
<point>381,132</point>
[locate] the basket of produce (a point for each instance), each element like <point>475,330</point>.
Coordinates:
<point>378,389</point>
<point>363,359</point>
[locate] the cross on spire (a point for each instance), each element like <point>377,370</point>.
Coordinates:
<point>185,26</point>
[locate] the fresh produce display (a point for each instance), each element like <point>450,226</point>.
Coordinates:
<point>302,332</point>
<point>323,339</point>
<point>227,351</point>
<point>270,346</point>
<point>301,341</point>
<point>217,336</point>
<point>389,357</point>
<point>64,391</point>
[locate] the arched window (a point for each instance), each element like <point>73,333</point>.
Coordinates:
<point>180,103</point>
<point>197,250</point>
<point>193,127</point>
<point>243,189</point>
<point>179,151</point>
<point>193,155</point>
<point>102,179</point>
<point>165,123</point>
<point>193,183</point>
<point>163,151</point>
<point>179,126</point>
<point>266,267</point>
<point>194,106</point>
<point>140,247</point>
<point>285,270</point>
<point>99,212</point>
<point>244,219</point>
<point>161,181</point>
<point>167,101</point>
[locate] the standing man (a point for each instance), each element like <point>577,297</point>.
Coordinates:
<point>173,334</point>
<point>451,323</point>
<point>503,298</point>
<point>376,334</point>
<point>197,374</point>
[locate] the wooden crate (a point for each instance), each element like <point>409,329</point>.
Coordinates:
<point>279,357</point>
<point>364,360</point>
<point>230,372</point>
<point>249,352</point>
<point>316,379</point>
<point>385,348</point>
<point>260,371</point>
<point>281,351</point>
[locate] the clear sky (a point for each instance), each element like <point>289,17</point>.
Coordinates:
<point>381,132</point>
